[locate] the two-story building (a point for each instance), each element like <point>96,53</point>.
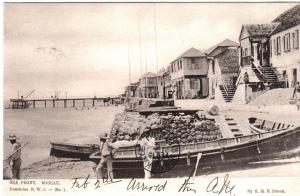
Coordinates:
<point>148,86</point>
<point>285,53</point>
<point>223,68</point>
<point>256,73</point>
<point>165,89</point>
<point>131,90</point>
<point>189,75</point>
<point>269,55</point>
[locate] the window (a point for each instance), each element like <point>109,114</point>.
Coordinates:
<point>193,61</point>
<point>274,46</point>
<point>246,52</point>
<point>270,48</point>
<point>296,40</point>
<point>213,66</point>
<point>180,64</point>
<point>287,42</point>
<point>151,81</point>
<point>278,46</point>
<point>194,83</point>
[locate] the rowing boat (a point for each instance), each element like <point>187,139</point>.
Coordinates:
<point>258,125</point>
<point>72,150</point>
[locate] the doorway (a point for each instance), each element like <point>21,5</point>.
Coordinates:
<point>294,77</point>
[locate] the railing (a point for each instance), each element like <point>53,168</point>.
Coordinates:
<point>257,67</point>
<point>224,85</point>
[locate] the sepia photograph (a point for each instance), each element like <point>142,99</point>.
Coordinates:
<point>151,91</point>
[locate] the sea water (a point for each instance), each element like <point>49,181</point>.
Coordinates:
<point>40,126</point>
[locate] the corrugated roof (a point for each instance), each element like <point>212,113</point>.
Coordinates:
<point>288,19</point>
<point>260,29</point>
<point>224,43</point>
<point>192,52</point>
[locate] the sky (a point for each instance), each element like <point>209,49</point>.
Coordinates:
<point>85,49</point>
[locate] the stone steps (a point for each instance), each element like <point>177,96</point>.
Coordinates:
<point>229,94</point>
<point>233,126</point>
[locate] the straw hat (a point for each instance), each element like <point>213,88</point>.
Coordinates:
<point>12,137</point>
<point>104,136</point>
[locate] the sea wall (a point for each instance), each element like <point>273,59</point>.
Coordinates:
<point>137,104</point>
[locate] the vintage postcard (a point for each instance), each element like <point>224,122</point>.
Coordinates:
<point>151,98</point>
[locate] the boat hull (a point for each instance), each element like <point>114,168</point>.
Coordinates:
<point>281,145</point>
<point>73,150</point>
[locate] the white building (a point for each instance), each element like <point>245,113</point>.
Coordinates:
<point>285,53</point>
<point>223,68</point>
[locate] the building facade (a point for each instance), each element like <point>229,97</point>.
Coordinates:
<point>284,41</point>
<point>188,75</point>
<point>148,86</point>
<point>223,60</point>
<point>131,90</point>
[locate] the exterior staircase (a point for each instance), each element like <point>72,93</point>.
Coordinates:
<point>228,92</point>
<point>269,74</point>
<point>265,74</point>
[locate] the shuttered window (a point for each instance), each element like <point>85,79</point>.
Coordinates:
<point>287,42</point>
<point>296,40</point>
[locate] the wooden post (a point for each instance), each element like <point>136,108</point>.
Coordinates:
<point>73,103</point>
<point>33,104</point>
<point>45,103</point>
<point>53,103</point>
<point>93,102</point>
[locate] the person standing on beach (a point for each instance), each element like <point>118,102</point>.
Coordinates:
<point>297,95</point>
<point>148,144</point>
<point>107,149</point>
<point>15,159</point>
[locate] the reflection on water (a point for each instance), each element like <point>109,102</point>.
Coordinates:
<point>40,126</point>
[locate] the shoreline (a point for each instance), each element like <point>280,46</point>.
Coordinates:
<point>51,167</point>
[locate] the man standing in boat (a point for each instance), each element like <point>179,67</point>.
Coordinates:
<point>15,159</point>
<point>107,149</point>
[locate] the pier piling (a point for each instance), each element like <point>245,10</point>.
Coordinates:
<point>24,104</point>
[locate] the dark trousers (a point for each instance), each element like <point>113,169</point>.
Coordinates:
<point>16,168</point>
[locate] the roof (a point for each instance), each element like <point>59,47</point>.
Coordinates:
<point>149,75</point>
<point>259,29</point>
<point>288,19</point>
<point>162,72</point>
<point>192,52</point>
<point>224,43</point>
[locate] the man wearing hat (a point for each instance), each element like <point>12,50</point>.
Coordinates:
<point>15,158</point>
<point>107,149</point>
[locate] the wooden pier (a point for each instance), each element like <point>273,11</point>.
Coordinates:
<point>65,103</point>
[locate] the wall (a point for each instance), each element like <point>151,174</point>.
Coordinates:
<point>240,94</point>
<point>200,63</point>
<point>287,61</point>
